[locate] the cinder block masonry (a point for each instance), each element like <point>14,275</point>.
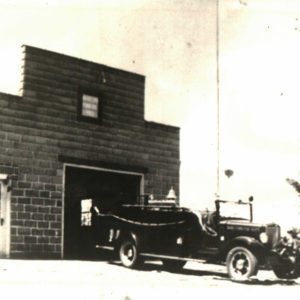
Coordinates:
<point>50,127</point>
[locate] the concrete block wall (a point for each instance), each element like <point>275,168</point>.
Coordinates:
<point>36,197</point>
<point>40,127</point>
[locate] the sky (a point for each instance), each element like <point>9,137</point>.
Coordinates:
<point>174,44</point>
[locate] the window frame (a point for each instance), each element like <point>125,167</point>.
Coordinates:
<point>86,215</point>
<point>93,93</point>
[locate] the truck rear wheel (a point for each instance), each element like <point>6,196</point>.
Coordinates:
<point>128,254</point>
<point>241,264</point>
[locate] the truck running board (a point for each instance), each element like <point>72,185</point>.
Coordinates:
<point>159,256</point>
<point>104,247</point>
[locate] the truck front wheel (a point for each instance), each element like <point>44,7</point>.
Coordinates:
<point>286,271</point>
<point>241,264</point>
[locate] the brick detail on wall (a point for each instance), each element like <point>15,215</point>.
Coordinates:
<point>42,125</point>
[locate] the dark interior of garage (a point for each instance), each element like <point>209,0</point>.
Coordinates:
<point>106,189</point>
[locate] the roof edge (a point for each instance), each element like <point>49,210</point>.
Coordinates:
<point>161,125</point>
<point>67,56</point>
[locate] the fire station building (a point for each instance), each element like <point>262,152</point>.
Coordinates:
<point>76,132</point>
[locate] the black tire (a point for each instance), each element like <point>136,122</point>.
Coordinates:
<point>128,254</point>
<point>241,264</point>
<point>173,264</point>
<point>286,271</point>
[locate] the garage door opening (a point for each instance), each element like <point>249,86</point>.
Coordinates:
<point>84,186</point>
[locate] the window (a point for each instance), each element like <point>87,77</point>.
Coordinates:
<point>89,107</point>
<point>86,215</point>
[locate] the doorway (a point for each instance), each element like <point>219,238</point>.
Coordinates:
<point>83,186</point>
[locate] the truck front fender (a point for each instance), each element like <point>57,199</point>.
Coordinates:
<point>124,234</point>
<point>248,242</point>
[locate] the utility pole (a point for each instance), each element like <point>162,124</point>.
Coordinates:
<point>218,97</point>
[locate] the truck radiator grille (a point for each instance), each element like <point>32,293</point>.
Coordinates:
<point>273,232</point>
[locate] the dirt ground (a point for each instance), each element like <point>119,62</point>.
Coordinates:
<point>62,279</point>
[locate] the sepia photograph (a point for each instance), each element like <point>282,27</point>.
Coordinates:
<point>149,149</point>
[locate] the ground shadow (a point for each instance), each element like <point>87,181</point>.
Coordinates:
<point>148,267</point>
<point>268,282</point>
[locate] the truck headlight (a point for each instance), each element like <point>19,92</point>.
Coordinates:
<point>263,237</point>
<point>289,240</point>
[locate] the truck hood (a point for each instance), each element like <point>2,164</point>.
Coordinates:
<point>244,222</point>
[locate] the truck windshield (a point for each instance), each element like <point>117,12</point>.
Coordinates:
<point>235,210</point>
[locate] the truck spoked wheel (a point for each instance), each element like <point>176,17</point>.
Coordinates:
<point>128,254</point>
<point>241,264</point>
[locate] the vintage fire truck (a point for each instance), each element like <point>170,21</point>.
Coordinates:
<point>160,230</point>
